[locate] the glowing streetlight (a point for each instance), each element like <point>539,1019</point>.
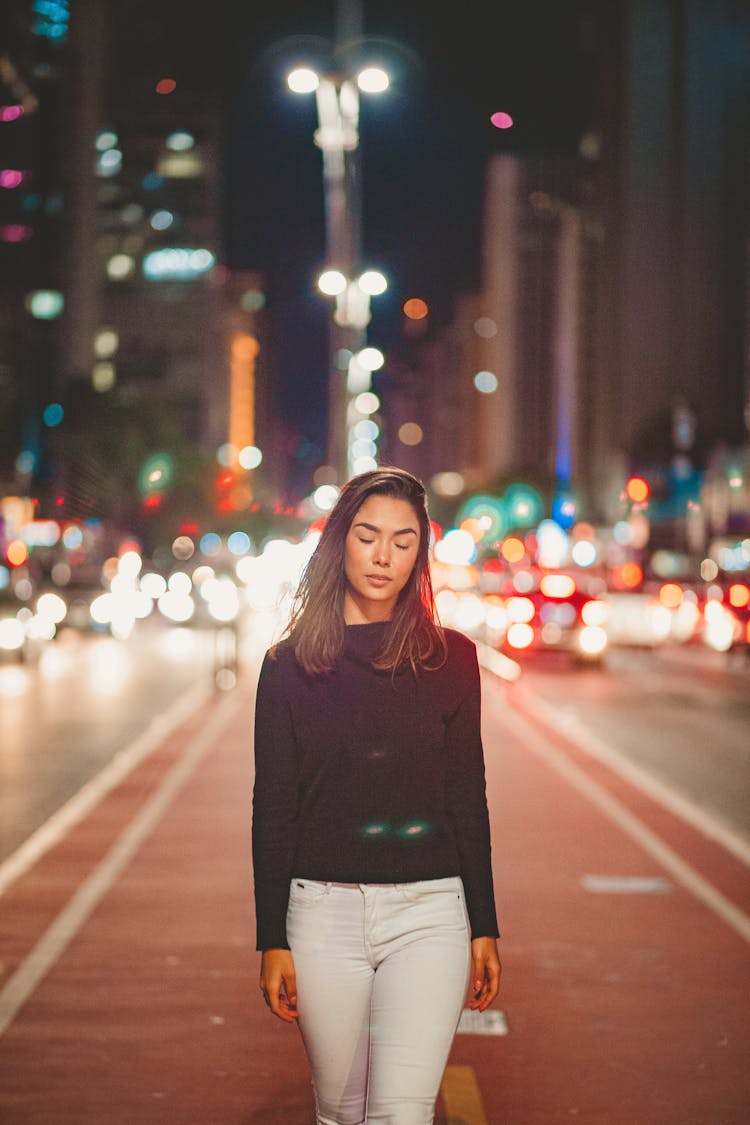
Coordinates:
<point>332,283</point>
<point>337,136</point>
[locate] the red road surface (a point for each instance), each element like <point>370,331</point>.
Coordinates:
<point>129,975</point>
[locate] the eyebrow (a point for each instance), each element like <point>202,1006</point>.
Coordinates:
<point>373,527</point>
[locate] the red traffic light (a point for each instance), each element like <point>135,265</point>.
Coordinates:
<point>638,490</point>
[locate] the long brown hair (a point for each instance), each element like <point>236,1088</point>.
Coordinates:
<point>316,626</point>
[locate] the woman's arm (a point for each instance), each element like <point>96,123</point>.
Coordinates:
<point>465,793</point>
<point>274,805</point>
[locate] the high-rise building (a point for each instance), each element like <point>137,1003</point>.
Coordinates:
<point>33,63</point>
<point>141,359</point>
<point>610,332</point>
<point>671,366</point>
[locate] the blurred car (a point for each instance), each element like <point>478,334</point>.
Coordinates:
<point>667,614</point>
<point>549,611</point>
<point>726,617</point>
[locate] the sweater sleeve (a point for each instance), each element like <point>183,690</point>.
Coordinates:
<point>274,805</point>
<point>466,798</point>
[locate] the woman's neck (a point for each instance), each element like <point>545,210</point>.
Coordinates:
<point>360,612</point>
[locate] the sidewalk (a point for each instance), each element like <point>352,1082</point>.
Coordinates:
<point>141,1006</point>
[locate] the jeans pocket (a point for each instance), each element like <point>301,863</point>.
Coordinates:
<point>304,893</point>
<point>443,899</point>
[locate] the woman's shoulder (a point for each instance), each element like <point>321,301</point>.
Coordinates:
<point>279,655</point>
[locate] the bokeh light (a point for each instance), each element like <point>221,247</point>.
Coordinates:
<point>45,304</point>
<point>410,433</point>
<point>447,483</point>
<point>52,414</point>
<point>485,382</point>
<point>485,327</point>
<point>513,549</point>
<point>373,80</point>
<point>491,513</point>
<point>367,402</point>
<point>637,489</point>
<point>250,457</point>
<point>415,308</point>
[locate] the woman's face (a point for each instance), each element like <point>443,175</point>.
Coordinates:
<point>380,553</point>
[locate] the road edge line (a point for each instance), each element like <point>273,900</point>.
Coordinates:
<point>61,931</point>
<point>56,827</point>
<point>597,748</point>
<point>648,840</point>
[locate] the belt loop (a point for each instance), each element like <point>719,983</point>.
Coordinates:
<point>329,888</point>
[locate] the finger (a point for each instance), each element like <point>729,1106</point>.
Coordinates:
<point>279,1008</point>
<point>290,984</point>
<point>479,975</point>
<point>491,987</point>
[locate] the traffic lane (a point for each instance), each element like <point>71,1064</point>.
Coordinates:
<point>622,1007</point>
<point>152,1013</point>
<point>684,720</point>
<point>63,719</point>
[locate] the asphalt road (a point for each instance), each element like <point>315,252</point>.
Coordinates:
<point>680,716</point>
<point>128,977</point>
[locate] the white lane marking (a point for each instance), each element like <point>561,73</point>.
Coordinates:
<point>90,794</point>
<point>56,938</point>
<point>626,884</point>
<point>491,1022</point>
<point>697,816</point>
<point>652,844</point>
<point>498,663</point>
<point>706,822</point>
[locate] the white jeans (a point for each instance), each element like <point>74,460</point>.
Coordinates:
<point>382,973</point>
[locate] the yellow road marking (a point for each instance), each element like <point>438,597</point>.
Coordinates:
<point>461,1097</point>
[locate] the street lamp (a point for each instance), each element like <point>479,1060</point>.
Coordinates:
<point>337,136</point>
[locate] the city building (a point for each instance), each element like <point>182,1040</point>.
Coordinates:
<point>148,358</point>
<point>609,335</point>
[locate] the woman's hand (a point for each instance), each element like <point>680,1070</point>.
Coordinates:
<point>278,983</point>
<point>485,972</point>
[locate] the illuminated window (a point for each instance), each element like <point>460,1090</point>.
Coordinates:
<point>180,165</point>
<point>177,264</point>
<point>180,140</point>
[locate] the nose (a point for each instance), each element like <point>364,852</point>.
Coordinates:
<point>382,555</point>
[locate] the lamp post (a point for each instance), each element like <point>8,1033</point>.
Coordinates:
<point>337,136</point>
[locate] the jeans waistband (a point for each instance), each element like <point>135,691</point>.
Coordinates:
<point>345,886</point>
<point>329,884</point>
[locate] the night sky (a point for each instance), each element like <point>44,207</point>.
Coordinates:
<point>423,148</point>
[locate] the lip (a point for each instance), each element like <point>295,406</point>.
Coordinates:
<point>377,579</point>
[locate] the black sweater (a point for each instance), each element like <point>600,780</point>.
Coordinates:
<point>362,777</point>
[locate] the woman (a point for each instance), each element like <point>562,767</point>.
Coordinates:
<point>371,845</point>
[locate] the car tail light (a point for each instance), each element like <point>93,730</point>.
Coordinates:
<point>738,595</point>
<point>520,609</point>
<point>520,635</point>
<point>594,612</point>
<point>671,595</point>
<point>592,640</point>
<point>557,586</point>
